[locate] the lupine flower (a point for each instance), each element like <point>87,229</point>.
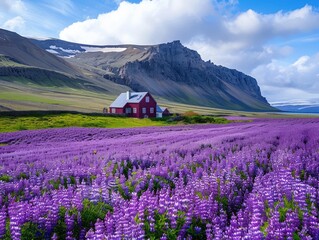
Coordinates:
<point>256,180</point>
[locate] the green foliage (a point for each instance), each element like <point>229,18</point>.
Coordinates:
<point>7,235</point>
<point>90,213</point>
<point>243,176</point>
<point>203,119</point>
<point>223,200</point>
<point>40,120</point>
<point>267,209</point>
<point>190,114</point>
<point>125,195</point>
<point>127,166</point>
<point>302,175</point>
<point>115,168</point>
<point>23,176</point>
<point>31,231</point>
<point>5,178</point>
<point>263,228</point>
<point>293,173</point>
<point>72,180</point>
<point>159,181</point>
<point>197,229</point>
<point>93,211</point>
<point>162,225</point>
<point>288,205</point>
<point>55,183</point>
<point>60,228</point>
<point>191,118</point>
<point>296,236</point>
<point>58,120</point>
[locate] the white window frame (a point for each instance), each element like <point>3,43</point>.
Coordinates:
<point>113,110</point>
<point>147,99</point>
<point>144,110</point>
<point>134,110</point>
<point>151,110</point>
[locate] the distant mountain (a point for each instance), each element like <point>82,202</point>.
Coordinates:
<point>23,51</point>
<point>23,61</point>
<point>299,108</point>
<point>169,70</point>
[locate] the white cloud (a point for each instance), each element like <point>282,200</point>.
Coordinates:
<point>148,22</point>
<point>14,24</point>
<point>280,81</point>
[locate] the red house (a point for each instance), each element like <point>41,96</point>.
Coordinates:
<point>134,104</point>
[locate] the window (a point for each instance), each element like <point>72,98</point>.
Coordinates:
<point>147,99</point>
<point>151,110</point>
<point>143,110</point>
<point>134,110</point>
<point>128,110</point>
<point>113,110</point>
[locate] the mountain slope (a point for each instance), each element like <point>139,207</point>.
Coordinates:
<point>23,62</point>
<point>170,70</point>
<point>299,108</point>
<point>23,51</point>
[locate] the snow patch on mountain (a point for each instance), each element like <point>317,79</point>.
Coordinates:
<point>103,49</point>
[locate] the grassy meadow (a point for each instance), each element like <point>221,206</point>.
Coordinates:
<point>17,123</point>
<point>19,95</point>
<point>42,120</point>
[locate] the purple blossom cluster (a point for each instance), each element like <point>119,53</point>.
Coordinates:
<point>244,180</point>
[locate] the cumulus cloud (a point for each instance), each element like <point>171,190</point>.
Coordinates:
<point>281,80</point>
<point>147,22</point>
<point>242,40</point>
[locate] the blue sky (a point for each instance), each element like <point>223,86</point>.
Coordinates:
<point>277,42</point>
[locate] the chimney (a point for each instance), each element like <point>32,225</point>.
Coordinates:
<point>128,95</point>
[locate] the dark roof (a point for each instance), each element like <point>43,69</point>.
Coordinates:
<point>160,109</point>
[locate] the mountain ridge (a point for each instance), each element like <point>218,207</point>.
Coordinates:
<point>170,71</point>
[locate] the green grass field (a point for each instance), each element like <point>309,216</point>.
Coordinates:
<point>17,123</point>
<point>42,120</point>
<point>19,95</point>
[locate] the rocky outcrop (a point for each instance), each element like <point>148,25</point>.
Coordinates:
<point>168,70</point>
<point>178,73</point>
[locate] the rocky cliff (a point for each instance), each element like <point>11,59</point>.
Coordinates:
<point>170,71</point>
<point>175,72</point>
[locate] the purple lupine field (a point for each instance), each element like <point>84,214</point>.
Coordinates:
<point>249,180</point>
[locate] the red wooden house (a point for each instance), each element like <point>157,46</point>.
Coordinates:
<point>134,104</point>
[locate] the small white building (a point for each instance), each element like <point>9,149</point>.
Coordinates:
<point>161,112</point>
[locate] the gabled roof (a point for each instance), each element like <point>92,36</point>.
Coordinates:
<point>121,100</point>
<point>160,109</point>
